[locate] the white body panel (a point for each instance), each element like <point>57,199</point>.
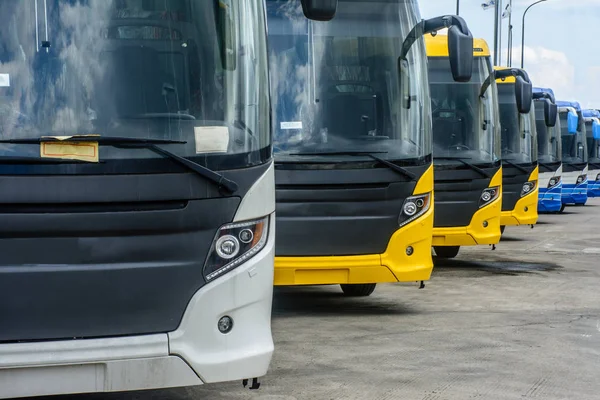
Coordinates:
<point>544,177</point>
<point>570,178</point>
<point>193,354</point>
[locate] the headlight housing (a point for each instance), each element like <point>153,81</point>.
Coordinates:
<point>581,179</point>
<point>488,195</point>
<point>414,207</point>
<point>235,244</point>
<point>528,187</point>
<point>555,180</point>
<point>598,177</point>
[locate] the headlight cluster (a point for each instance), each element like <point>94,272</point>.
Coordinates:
<point>598,177</point>
<point>414,207</point>
<point>527,188</point>
<point>581,179</point>
<point>555,180</point>
<point>234,244</point>
<point>488,195</point>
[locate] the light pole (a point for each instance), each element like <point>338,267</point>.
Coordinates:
<point>523,31</point>
<point>457,7</point>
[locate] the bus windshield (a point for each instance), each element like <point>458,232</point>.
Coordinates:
<point>188,70</point>
<point>549,142</point>
<point>593,145</point>
<point>519,136</point>
<point>464,124</point>
<point>574,146</point>
<point>335,85</point>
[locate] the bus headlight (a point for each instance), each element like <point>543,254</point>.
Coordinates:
<point>413,208</point>
<point>555,180</point>
<point>488,195</point>
<point>235,244</point>
<point>527,188</point>
<point>581,179</point>
<point>598,177</point>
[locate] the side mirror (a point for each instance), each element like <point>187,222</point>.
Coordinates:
<point>524,94</point>
<point>572,122</point>
<point>460,50</point>
<point>596,129</point>
<point>404,72</point>
<point>227,35</point>
<point>550,113</point>
<point>319,10</point>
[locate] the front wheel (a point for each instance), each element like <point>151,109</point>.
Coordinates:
<point>446,251</point>
<point>562,208</point>
<point>360,290</point>
<point>502,228</point>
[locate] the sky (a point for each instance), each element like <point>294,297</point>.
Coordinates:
<point>562,47</point>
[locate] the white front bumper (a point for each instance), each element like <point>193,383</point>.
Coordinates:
<point>195,353</point>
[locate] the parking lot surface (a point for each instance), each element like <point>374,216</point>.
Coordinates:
<point>519,322</point>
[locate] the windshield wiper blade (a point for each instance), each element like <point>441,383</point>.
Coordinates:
<point>141,143</point>
<point>370,154</point>
<point>517,166</point>
<point>39,160</point>
<point>475,168</point>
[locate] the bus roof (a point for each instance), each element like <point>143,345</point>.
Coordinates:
<point>572,104</point>
<point>437,46</point>
<point>591,113</point>
<point>544,90</point>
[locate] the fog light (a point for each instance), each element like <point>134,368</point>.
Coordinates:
<point>409,251</point>
<point>485,224</point>
<point>225,324</point>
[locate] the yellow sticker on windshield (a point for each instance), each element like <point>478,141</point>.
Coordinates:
<point>84,151</point>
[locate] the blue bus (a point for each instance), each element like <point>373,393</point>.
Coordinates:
<point>574,153</point>
<point>592,127</point>
<point>549,151</point>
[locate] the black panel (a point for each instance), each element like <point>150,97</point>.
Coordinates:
<point>96,256</point>
<point>512,184</point>
<point>569,167</point>
<point>338,212</point>
<point>457,194</point>
<point>549,167</point>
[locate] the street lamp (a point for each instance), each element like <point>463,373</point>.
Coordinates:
<point>457,7</point>
<point>523,31</point>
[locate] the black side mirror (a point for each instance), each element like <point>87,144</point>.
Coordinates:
<point>319,10</point>
<point>460,50</point>
<point>550,113</point>
<point>404,72</point>
<point>524,94</point>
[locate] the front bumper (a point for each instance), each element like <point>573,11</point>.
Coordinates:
<point>524,213</point>
<point>394,265</point>
<point>549,200</point>
<point>475,233</point>
<point>195,353</point>
<point>574,194</point>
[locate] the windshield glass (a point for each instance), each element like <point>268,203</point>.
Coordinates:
<point>335,84</point>
<point>464,125</point>
<point>191,70</point>
<point>592,144</point>
<point>574,146</point>
<point>519,136</point>
<point>549,143</point>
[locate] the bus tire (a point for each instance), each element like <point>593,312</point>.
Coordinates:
<point>502,228</point>
<point>358,290</point>
<point>562,208</point>
<point>446,251</point>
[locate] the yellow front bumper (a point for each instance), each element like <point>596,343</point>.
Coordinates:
<point>524,213</point>
<point>394,265</point>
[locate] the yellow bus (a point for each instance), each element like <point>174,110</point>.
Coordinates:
<point>466,151</point>
<point>520,169</point>
<point>352,142</point>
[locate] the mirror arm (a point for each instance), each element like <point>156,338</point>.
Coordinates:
<point>429,26</point>
<point>487,83</point>
<point>544,95</point>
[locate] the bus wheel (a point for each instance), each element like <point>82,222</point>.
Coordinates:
<point>502,227</point>
<point>361,290</point>
<point>562,208</point>
<point>446,251</point>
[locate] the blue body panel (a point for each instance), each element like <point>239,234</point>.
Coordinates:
<point>550,200</point>
<point>575,194</point>
<point>593,188</point>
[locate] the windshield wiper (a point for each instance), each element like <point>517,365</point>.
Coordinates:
<point>370,154</point>
<point>140,143</point>
<point>517,166</point>
<point>461,160</point>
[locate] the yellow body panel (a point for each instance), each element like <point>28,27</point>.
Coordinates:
<point>475,233</point>
<point>526,209</point>
<point>510,79</point>
<point>437,46</point>
<point>394,265</point>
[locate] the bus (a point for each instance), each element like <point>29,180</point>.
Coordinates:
<point>549,151</point>
<point>352,142</point>
<point>519,154</point>
<point>466,144</point>
<point>592,128</point>
<point>138,205</point>
<point>574,154</point>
